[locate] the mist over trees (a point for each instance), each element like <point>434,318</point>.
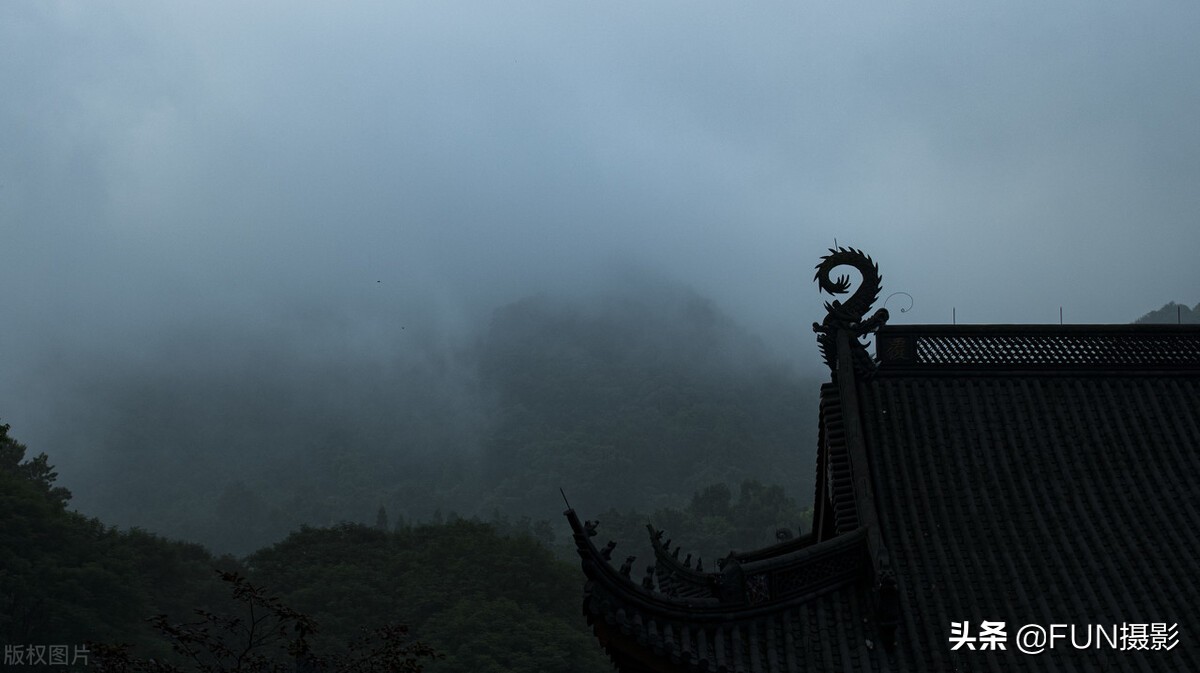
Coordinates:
<point>635,401</point>
<point>652,406</point>
<point>74,578</point>
<point>634,398</point>
<point>484,600</point>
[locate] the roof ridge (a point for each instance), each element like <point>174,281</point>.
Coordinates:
<point>1051,347</point>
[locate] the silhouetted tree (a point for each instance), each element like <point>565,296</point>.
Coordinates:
<point>37,471</point>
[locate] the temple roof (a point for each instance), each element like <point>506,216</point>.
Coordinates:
<point>1038,497</point>
<point>1018,474</point>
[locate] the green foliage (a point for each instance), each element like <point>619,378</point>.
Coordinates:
<point>540,530</point>
<point>489,602</point>
<point>502,636</point>
<point>66,578</point>
<point>37,471</point>
<point>490,596</point>
<point>713,501</point>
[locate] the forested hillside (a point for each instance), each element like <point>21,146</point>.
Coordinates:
<point>646,406</point>
<point>635,403</point>
<point>66,578</point>
<point>484,601</point>
<point>634,399</point>
<point>487,597</point>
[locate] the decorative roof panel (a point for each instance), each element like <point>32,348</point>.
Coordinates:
<point>1041,346</point>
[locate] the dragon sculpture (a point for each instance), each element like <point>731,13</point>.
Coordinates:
<point>849,315</point>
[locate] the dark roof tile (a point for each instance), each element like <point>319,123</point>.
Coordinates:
<point>1038,499</point>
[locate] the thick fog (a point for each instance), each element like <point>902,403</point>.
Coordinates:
<point>259,200</point>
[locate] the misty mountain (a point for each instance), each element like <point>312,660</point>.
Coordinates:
<point>635,401</point>
<point>1172,313</point>
<point>636,397</point>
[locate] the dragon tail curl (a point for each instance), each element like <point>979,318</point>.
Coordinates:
<point>849,315</point>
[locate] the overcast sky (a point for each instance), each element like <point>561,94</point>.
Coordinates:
<point>165,164</point>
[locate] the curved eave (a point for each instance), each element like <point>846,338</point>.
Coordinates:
<point>621,592</point>
<point>689,581</point>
